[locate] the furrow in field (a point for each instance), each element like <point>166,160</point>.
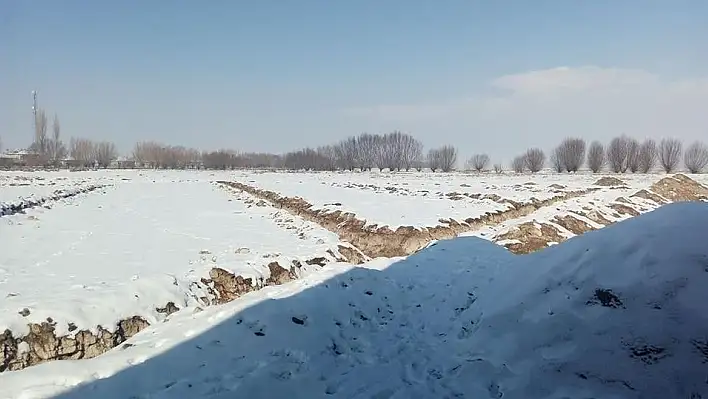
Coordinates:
<point>577,216</point>
<point>376,241</point>
<point>130,261</point>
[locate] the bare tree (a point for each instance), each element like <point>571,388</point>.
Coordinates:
<point>633,155</point>
<point>647,156</point>
<point>669,154</point>
<point>534,159</point>
<point>83,151</point>
<point>596,156</point>
<point>57,147</point>
<point>346,152</point>
<point>478,162</point>
<point>498,168</point>
<point>366,151</point>
<point>617,154</point>
<point>518,164</point>
<point>696,157</point>
<point>448,158</point>
<point>572,154</point>
<point>557,160</point>
<point>105,153</point>
<point>41,141</point>
<point>433,159</point>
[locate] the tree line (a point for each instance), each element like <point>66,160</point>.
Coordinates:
<point>395,151</point>
<point>623,154</point>
<point>51,150</point>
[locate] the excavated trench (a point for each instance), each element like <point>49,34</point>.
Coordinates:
<point>532,236</point>
<point>376,241</point>
<point>42,344</point>
<point>22,206</point>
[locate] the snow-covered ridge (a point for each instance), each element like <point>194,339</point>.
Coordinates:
<point>80,278</point>
<point>22,204</point>
<point>615,313</point>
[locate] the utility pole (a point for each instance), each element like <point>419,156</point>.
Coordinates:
<point>34,114</point>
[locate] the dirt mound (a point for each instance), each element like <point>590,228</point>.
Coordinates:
<point>530,237</point>
<point>374,241</point>
<point>609,181</point>
<point>680,188</point>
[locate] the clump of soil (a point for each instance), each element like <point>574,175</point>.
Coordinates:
<point>531,237</point>
<point>609,181</point>
<point>680,188</point>
<point>375,241</point>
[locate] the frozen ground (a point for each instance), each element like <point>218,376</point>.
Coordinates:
<point>103,256</point>
<point>19,186</point>
<point>615,313</point>
<point>422,199</point>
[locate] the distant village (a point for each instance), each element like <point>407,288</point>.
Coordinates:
<point>21,159</point>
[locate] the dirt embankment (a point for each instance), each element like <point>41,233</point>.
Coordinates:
<point>42,343</point>
<point>21,206</point>
<point>375,241</point>
<point>532,236</point>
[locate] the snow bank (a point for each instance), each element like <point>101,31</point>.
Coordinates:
<point>615,313</point>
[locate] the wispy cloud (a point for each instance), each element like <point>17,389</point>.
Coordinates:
<point>541,107</point>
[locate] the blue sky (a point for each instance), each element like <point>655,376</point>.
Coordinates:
<point>276,75</point>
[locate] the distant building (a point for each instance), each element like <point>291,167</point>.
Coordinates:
<point>19,158</point>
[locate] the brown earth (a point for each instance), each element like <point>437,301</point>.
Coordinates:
<point>680,187</point>
<point>44,345</point>
<point>375,241</point>
<point>609,181</point>
<point>531,238</point>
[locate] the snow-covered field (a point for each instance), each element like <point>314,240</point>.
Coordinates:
<point>616,313</point>
<point>175,245</point>
<point>422,199</point>
<point>137,245</point>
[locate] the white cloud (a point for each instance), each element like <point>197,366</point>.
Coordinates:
<point>542,107</point>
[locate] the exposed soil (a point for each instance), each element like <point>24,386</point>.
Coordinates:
<point>680,188</point>
<point>42,344</point>
<point>609,181</point>
<point>20,207</point>
<point>375,241</point>
<point>532,236</point>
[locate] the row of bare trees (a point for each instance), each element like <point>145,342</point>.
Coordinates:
<point>50,150</point>
<point>89,153</point>
<point>394,151</point>
<point>623,154</point>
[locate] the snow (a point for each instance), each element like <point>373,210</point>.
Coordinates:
<point>124,250</point>
<point>17,187</point>
<point>615,313</point>
<point>422,199</point>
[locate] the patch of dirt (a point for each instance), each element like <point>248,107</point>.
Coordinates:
<point>680,187</point>
<point>19,207</point>
<point>648,195</point>
<point>42,344</point>
<point>572,224</point>
<point>624,209</point>
<point>375,241</point>
<point>531,237</point>
<point>609,181</point>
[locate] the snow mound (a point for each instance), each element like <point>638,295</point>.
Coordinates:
<point>614,313</point>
